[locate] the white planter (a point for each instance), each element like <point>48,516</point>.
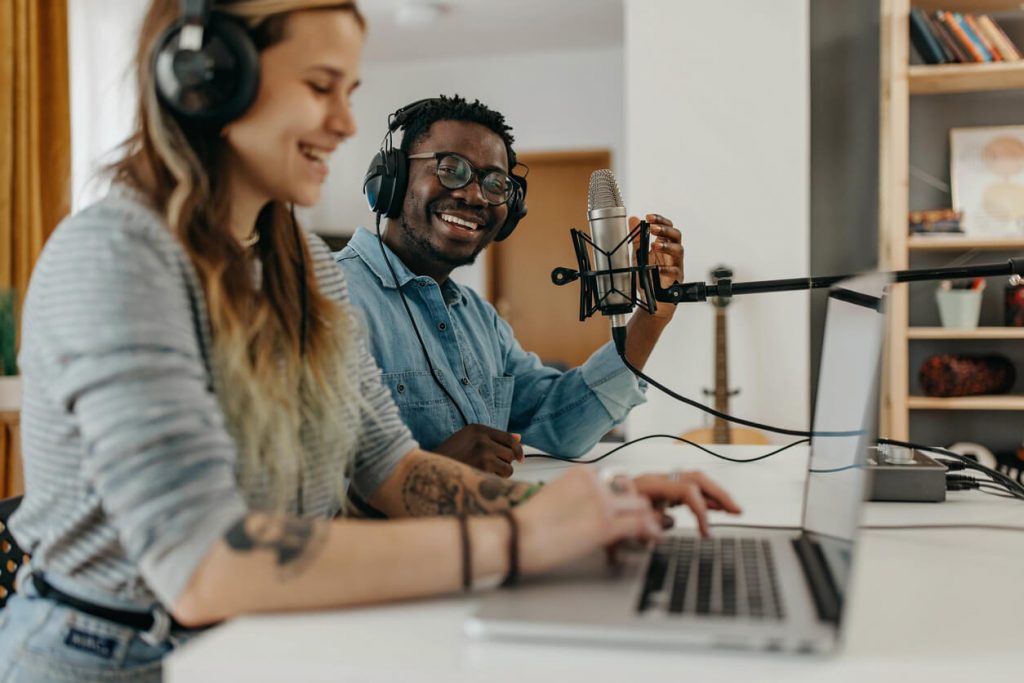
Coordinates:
<point>10,394</point>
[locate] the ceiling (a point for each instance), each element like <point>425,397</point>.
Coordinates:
<point>466,28</point>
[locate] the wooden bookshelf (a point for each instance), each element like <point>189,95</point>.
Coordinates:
<point>900,83</point>
<point>1001,402</point>
<point>932,79</point>
<point>970,5</point>
<point>962,243</point>
<point>982,333</point>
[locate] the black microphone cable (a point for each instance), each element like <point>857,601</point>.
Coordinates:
<point>620,347</point>
<point>433,371</point>
<point>999,485</point>
<point>578,461</point>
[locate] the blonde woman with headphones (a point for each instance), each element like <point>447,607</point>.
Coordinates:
<point>198,400</point>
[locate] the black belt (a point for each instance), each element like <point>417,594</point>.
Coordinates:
<point>141,621</point>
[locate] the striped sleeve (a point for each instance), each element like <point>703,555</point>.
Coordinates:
<point>385,439</point>
<point>112,324</point>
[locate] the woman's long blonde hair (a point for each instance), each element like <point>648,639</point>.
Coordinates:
<point>284,376</point>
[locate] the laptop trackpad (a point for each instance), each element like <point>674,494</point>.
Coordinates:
<point>593,589</point>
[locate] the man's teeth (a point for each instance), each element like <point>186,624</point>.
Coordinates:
<point>458,221</point>
<point>314,153</point>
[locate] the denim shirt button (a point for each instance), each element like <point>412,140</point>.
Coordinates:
<point>401,388</point>
<point>465,381</point>
<point>442,327</point>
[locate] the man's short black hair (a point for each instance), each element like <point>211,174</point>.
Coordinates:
<point>456,108</point>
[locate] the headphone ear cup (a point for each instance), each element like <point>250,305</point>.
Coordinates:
<point>385,182</point>
<point>516,210</point>
<point>213,85</point>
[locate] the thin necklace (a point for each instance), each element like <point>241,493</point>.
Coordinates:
<point>251,240</point>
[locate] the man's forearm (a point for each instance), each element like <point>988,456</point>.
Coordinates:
<point>642,334</point>
<point>429,484</point>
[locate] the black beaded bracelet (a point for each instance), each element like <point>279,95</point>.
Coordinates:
<point>513,550</point>
<point>467,559</point>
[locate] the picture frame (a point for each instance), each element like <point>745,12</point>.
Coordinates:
<point>986,171</point>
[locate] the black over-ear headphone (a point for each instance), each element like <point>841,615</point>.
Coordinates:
<point>206,69</point>
<point>388,175</point>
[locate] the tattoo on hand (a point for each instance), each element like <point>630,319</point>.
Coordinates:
<point>493,487</point>
<point>296,542</point>
<point>433,490</point>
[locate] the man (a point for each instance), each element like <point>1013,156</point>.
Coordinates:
<point>463,384</point>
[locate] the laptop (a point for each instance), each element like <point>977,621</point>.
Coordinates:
<point>767,589</point>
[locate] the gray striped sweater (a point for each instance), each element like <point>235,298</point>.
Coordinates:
<point>129,466</point>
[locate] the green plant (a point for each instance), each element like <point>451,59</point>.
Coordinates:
<point>8,329</point>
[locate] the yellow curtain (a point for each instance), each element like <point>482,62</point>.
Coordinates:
<point>35,132</point>
<point>35,158</point>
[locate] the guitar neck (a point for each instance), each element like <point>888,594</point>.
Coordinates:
<point>722,429</point>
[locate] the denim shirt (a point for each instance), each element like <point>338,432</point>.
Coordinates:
<point>479,361</point>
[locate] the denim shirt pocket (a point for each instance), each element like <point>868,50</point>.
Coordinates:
<point>502,389</point>
<point>424,408</point>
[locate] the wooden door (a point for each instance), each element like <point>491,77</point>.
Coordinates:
<point>545,318</point>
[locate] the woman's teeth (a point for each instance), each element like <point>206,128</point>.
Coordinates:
<point>448,218</point>
<point>314,153</point>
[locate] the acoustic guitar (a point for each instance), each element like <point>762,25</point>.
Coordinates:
<point>721,430</point>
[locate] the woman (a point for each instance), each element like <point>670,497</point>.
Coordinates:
<point>197,398</point>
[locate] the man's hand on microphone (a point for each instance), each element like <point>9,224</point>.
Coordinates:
<point>644,329</point>
<point>484,448</point>
<point>666,252</point>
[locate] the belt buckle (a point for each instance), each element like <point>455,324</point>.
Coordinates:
<point>160,630</point>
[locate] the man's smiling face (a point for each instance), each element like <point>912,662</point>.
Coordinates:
<point>441,228</point>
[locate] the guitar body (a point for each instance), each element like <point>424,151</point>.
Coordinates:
<point>740,436</point>
<point>722,431</point>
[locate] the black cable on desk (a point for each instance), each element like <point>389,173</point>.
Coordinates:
<point>665,436</point>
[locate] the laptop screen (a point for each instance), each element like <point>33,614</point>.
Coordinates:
<point>846,403</point>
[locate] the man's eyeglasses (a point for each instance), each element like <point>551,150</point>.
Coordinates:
<point>455,172</point>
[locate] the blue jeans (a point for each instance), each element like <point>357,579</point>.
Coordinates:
<point>41,640</point>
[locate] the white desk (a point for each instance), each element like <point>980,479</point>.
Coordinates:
<point>935,605</point>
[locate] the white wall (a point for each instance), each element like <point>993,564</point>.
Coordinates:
<point>717,137</point>
<point>101,37</point>
<point>552,100</point>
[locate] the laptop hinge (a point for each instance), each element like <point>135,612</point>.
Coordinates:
<point>827,599</point>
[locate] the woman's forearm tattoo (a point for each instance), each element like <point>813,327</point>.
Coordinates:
<point>430,489</point>
<point>295,542</point>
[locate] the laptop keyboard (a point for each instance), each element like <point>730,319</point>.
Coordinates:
<point>723,577</point>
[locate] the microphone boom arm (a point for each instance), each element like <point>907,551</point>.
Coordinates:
<point>700,291</point>
<point>687,292</point>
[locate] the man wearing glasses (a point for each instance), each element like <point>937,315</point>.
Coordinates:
<point>463,384</point>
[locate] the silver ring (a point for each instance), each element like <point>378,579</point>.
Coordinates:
<point>675,475</point>
<point>619,484</point>
<point>617,480</point>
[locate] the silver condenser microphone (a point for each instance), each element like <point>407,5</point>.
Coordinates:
<point>609,229</point>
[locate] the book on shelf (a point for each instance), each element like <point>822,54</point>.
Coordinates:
<point>977,34</point>
<point>944,37</point>
<point>1000,39</point>
<point>959,18</point>
<point>955,53</point>
<point>927,44</point>
<point>935,222</point>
